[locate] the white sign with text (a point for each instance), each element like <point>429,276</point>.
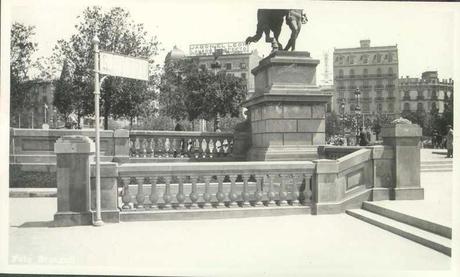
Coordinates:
<point>123,66</point>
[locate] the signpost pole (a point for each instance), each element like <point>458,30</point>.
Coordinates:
<point>98,221</point>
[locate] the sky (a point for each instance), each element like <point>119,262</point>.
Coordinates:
<point>424,32</point>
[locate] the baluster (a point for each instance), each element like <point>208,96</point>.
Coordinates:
<point>230,147</point>
<point>217,147</point>
<point>140,197</point>
<point>271,194</point>
<point>188,147</point>
<point>220,192</point>
<point>212,148</point>
<point>153,193</point>
<point>198,147</point>
<point>158,147</point>
<point>167,195</point>
<point>206,195</point>
<point>126,196</point>
<point>167,147</point>
<point>144,147</point>
<point>193,194</point>
<point>232,194</point>
<point>137,147</point>
<point>150,147</point>
<point>244,193</point>
<point>206,149</point>
<point>282,191</point>
<point>258,193</point>
<point>132,147</point>
<point>180,194</point>
<point>296,179</point>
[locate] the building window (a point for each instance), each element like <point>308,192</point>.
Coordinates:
<point>364,59</point>
<point>340,73</point>
<point>390,71</point>
<point>228,66</point>
<point>366,107</point>
<point>243,75</point>
<point>433,106</point>
<point>391,107</point>
<point>352,107</point>
<point>406,94</point>
<point>351,59</point>
<point>379,107</point>
<point>366,95</point>
<point>242,65</point>
<point>352,73</point>
<point>419,107</point>
<point>379,72</point>
<point>341,94</point>
<point>390,57</point>
<point>406,107</point>
<point>365,72</point>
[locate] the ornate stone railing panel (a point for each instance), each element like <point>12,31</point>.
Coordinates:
<point>172,144</point>
<point>220,185</point>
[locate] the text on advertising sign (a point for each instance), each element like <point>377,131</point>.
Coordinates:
<point>227,48</point>
<point>123,66</point>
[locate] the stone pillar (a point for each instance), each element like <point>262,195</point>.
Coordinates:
<point>109,191</point>
<point>326,191</point>
<point>121,142</point>
<point>404,138</point>
<point>73,177</point>
<point>287,109</point>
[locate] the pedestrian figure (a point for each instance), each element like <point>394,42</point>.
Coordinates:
<point>434,139</point>
<point>362,138</point>
<point>450,142</point>
<point>180,128</point>
<point>368,134</point>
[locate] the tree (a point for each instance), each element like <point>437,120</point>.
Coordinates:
<point>379,121</point>
<point>188,92</point>
<point>117,33</point>
<point>21,50</point>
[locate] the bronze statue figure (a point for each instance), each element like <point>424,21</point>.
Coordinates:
<point>272,20</point>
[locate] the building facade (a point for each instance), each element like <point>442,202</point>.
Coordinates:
<point>41,108</point>
<point>372,70</point>
<point>426,93</point>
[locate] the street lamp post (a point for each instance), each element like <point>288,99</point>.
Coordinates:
<point>357,113</point>
<point>342,115</point>
<point>216,66</point>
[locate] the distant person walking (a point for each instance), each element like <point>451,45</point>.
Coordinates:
<point>181,143</point>
<point>450,142</point>
<point>363,138</point>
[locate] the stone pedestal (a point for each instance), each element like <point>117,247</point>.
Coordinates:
<point>404,138</point>
<point>288,109</point>
<point>73,179</point>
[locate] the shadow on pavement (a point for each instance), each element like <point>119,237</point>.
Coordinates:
<point>36,224</point>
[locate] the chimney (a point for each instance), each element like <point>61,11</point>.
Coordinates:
<point>366,43</point>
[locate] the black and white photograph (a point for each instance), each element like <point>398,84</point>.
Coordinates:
<point>229,138</point>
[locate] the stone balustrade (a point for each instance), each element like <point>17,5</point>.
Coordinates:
<point>175,144</point>
<point>220,185</point>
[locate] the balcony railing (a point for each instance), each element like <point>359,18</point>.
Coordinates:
<point>420,97</point>
<point>175,144</point>
<point>220,185</point>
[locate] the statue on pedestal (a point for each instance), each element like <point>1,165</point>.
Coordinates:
<point>272,20</point>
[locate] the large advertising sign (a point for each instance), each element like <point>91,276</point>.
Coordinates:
<point>123,66</point>
<point>207,49</point>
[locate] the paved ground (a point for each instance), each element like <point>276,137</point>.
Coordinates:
<point>437,205</point>
<point>428,154</point>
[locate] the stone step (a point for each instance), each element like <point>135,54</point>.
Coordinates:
<point>428,239</point>
<point>212,213</point>
<point>417,222</point>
